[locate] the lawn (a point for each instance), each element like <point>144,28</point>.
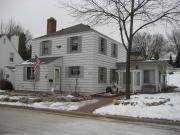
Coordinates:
<point>155,106</point>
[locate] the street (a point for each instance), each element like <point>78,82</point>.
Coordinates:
<point>28,122</point>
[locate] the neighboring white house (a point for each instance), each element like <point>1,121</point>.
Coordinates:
<point>146,75</point>
<point>77,57</point>
<point>9,57</point>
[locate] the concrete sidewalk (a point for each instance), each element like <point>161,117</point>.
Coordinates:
<point>102,101</point>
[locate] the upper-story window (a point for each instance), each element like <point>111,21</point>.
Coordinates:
<point>102,46</point>
<point>74,44</point>
<point>45,48</point>
<point>11,57</point>
<point>114,50</point>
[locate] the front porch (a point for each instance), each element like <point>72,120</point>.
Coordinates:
<point>146,76</point>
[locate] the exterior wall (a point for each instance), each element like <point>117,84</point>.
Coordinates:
<point>46,73</point>
<point>6,49</point>
<point>89,58</point>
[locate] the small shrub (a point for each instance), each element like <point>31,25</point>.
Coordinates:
<point>23,100</point>
<point>116,102</point>
<point>6,85</point>
<point>108,89</point>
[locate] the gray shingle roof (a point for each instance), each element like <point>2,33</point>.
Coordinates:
<point>45,60</point>
<point>145,62</point>
<point>69,30</point>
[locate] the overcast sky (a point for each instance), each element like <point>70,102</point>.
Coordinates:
<point>33,14</point>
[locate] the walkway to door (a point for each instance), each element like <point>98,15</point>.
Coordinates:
<point>102,101</point>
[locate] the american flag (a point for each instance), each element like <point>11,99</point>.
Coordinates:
<point>36,66</point>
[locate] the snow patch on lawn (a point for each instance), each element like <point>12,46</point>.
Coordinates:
<point>62,105</point>
<point>158,106</point>
<point>173,79</point>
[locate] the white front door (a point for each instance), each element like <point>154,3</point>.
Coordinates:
<point>57,78</point>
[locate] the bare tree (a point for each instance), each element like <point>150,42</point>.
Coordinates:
<point>149,46</point>
<point>130,16</point>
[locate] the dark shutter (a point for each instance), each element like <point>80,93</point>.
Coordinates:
<point>81,72</point>
<point>105,46</point>
<point>105,75</point>
<point>40,49</point>
<point>99,45</point>
<point>99,74</point>
<point>68,45</point>
<point>67,72</point>
<point>49,47</point>
<point>79,43</point>
<point>24,73</point>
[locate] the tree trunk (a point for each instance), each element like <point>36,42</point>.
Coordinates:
<point>128,78</point>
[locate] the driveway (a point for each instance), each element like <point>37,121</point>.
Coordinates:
<point>26,122</point>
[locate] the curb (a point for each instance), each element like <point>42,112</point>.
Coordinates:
<point>97,116</point>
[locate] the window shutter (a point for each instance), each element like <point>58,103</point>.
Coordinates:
<point>99,75</point>
<point>99,45</point>
<point>68,45</point>
<point>112,47</point>
<point>67,72</point>
<point>40,49</point>
<point>105,46</point>
<point>105,75</point>
<point>111,75</point>
<point>24,73</point>
<point>50,48</point>
<point>81,72</point>
<point>79,43</point>
<point>116,50</point>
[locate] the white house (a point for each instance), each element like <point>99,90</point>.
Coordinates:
<point>75,58</point>
<point>9,57</point>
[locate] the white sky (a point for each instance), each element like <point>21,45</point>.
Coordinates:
<point>33,14</point>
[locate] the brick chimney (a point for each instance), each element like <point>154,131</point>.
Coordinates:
<point>51,25</point>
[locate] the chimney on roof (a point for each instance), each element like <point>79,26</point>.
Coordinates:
<point>51,25</point>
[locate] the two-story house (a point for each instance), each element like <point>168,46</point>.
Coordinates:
<point>9,57</point>
<point>75,58</point>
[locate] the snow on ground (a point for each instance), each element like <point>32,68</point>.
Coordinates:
<point>142,106</point>
<point>173,79</point>
<point>49,105</point>
<point>62,105</point>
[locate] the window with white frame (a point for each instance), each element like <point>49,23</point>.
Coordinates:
<point>46,48</point>
<point>74,71</point>
<point>102,75</point>
<point>102,46</point>
<point>30,73</point>
<point>11,57</point>
<point>74,46</point>
<point>114,50</point>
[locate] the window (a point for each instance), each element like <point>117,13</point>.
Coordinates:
<point>11,57</point>
<point>74,71</point>
<point>74,44</point>
<point>113,76</point>
<point>102,46</point>
<point>149,76</point>
<point>138,78</point>
<point>46,47</point>
<point>114,51</point>
<point>102,75</point>
<point>30,73</point>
